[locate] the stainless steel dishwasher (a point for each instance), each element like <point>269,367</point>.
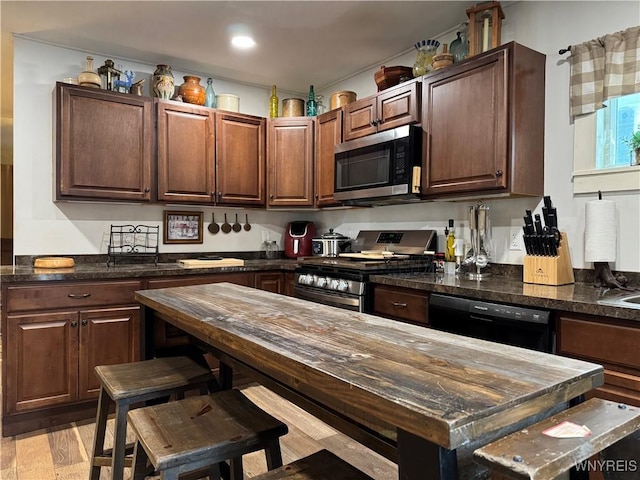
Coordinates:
<point>509,324</point>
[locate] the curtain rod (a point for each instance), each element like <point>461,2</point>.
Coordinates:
<point>562,51</point>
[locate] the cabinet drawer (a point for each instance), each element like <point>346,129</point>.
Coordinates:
<point>402,304</point>
<point>600,342</point>
<point>70,295</point>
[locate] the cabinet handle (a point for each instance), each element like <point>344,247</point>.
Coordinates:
<point>213,194</point>
<point>74,324</point>
<point>146,190</point>
<point>271,197</point>
<point>84,322</point>
<point>398,304</point>
<point>219,194</point>
<point>499,173</point>
<point>82,295</point>
<point>373,124</point>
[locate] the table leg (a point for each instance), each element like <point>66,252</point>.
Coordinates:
<point>225,376</point>
<point>420,459</point>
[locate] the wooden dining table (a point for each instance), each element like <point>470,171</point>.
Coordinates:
<point>418,396</point>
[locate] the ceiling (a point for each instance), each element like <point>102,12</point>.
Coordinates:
<point>298,42</point>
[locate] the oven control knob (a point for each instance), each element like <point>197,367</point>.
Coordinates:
<point>343,286</point>
<point>334,283</point>
<point>320,282</point>
<point>302,279</point>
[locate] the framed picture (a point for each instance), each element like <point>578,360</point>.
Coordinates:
<point>182,227</point>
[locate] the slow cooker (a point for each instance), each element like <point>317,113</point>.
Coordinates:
<point>330,244</point>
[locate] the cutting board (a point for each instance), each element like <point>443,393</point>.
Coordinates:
<point>54,262</point>
<point>373,256</point>
<point>200,263</point>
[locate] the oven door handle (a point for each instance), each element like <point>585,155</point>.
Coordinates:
<point>327,299</point>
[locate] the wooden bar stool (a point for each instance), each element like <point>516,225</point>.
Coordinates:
<point>201,432</point>
<point>321,465</point>
<point>129,383</point>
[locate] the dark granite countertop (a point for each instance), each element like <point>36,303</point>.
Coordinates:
<point>100,271</point>
<point>578,297</point>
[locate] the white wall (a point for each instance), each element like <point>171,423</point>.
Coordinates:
<point>44,227</point>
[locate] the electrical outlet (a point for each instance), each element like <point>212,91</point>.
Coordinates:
<point>515,242</point>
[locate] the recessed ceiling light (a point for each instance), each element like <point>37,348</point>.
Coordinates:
<point>243,41</point>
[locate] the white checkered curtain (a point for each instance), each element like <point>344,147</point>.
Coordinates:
<point>604,68</point>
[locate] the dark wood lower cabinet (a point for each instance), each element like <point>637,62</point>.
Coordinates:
<point>50,350</point>
<point>404,304</point>
<point>613,343</point>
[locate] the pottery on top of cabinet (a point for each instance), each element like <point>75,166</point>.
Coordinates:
<point>191,91</point>
<point>89,78</point>
<point>162,82</point>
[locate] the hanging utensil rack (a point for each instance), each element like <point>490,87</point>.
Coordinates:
<point>129,242</point>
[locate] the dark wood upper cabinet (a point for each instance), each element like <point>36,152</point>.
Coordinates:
<point>391,108</point>
<point>290,162</point>
<point>186,153</point>
<point>483,123</point>
<point>104,148</point>
<point>328,135</point>
<point>240,159</point>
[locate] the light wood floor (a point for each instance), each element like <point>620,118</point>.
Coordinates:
<point>62,453</point>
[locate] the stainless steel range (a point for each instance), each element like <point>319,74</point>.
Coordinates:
<point>343,281</point>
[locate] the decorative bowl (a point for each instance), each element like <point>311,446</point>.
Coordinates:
<point>390,76</point>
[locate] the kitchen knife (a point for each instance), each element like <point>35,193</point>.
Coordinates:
<point>539,235</point>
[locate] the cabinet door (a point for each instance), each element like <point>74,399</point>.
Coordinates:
<point>107,337</point>
<point>290,162</point>
<point>42,360</point>
<point>103,144</point>
<point>328,135</point>
<point>270,281</point>
<point>186,163</point>
<point>240,159</point>
<point>398,106</point>
<point>289,284</point>
<point>464,117</point>
<point>360,118</point>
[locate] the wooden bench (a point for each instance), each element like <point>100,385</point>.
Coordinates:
<point>201,432</point>
<point>321,465</point>
<point>528,454</point>
<point>127,384</point>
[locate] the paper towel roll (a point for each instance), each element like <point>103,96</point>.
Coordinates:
<point>600,231</point>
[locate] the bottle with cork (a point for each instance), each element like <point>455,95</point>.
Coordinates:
<point>273,103</point>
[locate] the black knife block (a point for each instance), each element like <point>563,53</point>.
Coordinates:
<point>546,270</point>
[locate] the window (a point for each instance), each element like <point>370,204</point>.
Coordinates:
<point>602,160</point>
<point>614,124</point>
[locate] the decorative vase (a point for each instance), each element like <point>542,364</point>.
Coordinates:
<point>89,78</point>
<point>426,50</point>
<point>163,86</point>
<point>191,91</point>
<point>460,46</point>
<point>637,157</point>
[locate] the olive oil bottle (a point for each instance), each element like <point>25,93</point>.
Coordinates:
<point>450,252</point>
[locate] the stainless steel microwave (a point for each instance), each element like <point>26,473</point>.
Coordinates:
<point>383,168</point>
